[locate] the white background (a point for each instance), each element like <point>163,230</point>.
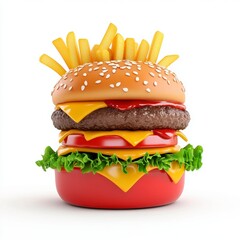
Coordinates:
<point>206,36</point>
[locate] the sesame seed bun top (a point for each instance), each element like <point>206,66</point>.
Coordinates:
<point>118,80</point>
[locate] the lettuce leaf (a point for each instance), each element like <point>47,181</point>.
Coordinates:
<point>93,162</point>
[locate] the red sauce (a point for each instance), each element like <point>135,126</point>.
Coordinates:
<point>165,133</point>
<point>129,104</point>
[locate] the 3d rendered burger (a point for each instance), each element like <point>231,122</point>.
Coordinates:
<point>119,112</point>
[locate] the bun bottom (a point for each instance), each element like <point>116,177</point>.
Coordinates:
<point>95,191</point>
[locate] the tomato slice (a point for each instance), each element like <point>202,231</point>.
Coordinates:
<point>114,141</point>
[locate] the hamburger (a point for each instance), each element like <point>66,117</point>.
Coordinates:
<point>119,119</point>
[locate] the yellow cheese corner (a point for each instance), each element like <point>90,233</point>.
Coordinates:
<point>78,110</point>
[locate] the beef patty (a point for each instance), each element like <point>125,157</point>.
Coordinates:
<point>106,119</point>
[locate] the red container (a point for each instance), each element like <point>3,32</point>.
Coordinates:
<point>95,191</point>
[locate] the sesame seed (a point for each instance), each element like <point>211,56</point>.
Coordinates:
<point>151,66</point>
<point>118,84</point>
<point>135,72</point>
<point>157,70</point>
<point>111,64</point>
<point>145,82</point>
<point>164,77</point>
<point>127,74</point>
<point>82,87</point>
<point>160,75</point>
<point>168,82</point>
<point>152,74</point>
<point>70,88</point>
<point>128,63</point>
<point>129,68</point>
<point>58,87</point>
<point>85,83</point>
<point>123,67</point>
<point>79,69</point>
<point>111,85</point>
<point>75,74</point>
<point>71,80</point>
<point>90,69</point>
<point>183,89</point>
<point>104,70</point>
<point>96,68</point>
<point>108,76</point>
<point>98,81</point>
<point>166,72</point>
<point>84,74</point>
<point>114,70</point>
<point>175,79</point>
<point>137,79</point>
<point>99,63</point>
<point>61,84</point>
<point>90,65</point>
<point>65,86</point>
<point>101,74</point>
<point>65,77</point>
<point>148,90</point>
<point>139,68</point>
<point>155,83</point>
<point>125,89</point>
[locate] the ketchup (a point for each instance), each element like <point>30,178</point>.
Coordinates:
<point>130,104</point>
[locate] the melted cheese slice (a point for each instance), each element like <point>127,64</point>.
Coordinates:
<point>123,154</point>
<point>133,137</point>
<point>126,181</point>
<point>79,110</point>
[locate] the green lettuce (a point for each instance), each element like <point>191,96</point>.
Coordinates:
<point>94,162</point>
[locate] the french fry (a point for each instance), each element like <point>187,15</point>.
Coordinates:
<point>142,51</point>
<point>84,50</point>
<point>50,62</point>
<point>168,60</point>
<point>103,55</point>
<point>155,47</point>
<point>136,49</point>
<point>118,47</point>
<point>63,50</point>
<point>73,50</point>
<point>108,37</point>
<point>129,49</point>
<point>93,52</point>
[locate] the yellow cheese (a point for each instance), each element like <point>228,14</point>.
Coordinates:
<point>175,172</point>
<point>133,137</point>
<point>181,135</point>
<point>124,181</point>
<point>123,154</point>
<point>78,110</point>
